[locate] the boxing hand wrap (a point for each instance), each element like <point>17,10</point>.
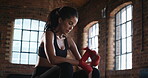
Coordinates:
<point>94,56</point>
<point>95,60</point>
<point>83,64</point>
<point>86,67</point>
<point>85,56</point>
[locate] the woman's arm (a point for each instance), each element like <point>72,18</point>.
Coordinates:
<point>50,50</point>
<point>73,48</point>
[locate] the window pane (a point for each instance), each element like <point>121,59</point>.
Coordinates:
<point>93,42</point>
<point>118,49</point>
<point>40,35</point>
<point>129,32</point>
<point>33,36</point>
<point>96,49</point>
<point>24,58</point>
<point>123,15</point>
<point>34,25</point>
<point>123,46</point>
<point>97,29</point>
<point>129,12</point>
<point>16,57</point>
<point>129,62</point>
<point>96,41</point>
<point>41,26</point>
<point>18,23</point>
<point>33,47</point>
<point>118,33</point>
<point>26,35</point>
<point>26,24</point>
<point>93,32</point>
<point>129,44</point>
<point>32,58</point>
<point>118,20</point>
<point>16,46</point>
<point>123,60</point>
<point>118,63</point>
<point>89,43</point>
<point>25,46</point>
<point>17,34</point>
<point>123,31</point>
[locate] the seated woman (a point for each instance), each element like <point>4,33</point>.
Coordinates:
<point>52,61</point>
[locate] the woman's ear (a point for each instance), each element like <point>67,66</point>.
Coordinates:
<point>59,20</point>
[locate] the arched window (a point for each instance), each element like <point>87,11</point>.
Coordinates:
<point>123,38</point>
<point>27,33</point>
<point>93,37</point>
<point>93,33</point>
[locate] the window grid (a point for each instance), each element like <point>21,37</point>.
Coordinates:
<point>93,37</point>
<point>27,33</point>
<point>93,34</point>
<point>123,38</point>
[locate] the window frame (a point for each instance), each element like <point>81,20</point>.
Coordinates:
<point>120,39</point>
<point>94,36</point>
<point>36,32</point>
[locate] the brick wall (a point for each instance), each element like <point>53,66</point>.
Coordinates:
<point>92,11</point>
<point>11,10</point>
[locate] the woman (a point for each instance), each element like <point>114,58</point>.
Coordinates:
<point>52,62</point>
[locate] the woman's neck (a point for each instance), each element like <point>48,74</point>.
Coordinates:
<point>59,35</point>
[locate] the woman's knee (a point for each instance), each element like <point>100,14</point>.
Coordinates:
<point>95,73</point>
<point>65,66</point>
<point>80,74</point>
<point>66,70</point>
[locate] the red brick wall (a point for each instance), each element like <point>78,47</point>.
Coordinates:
<point>9,10</point>
<point>92,12</point>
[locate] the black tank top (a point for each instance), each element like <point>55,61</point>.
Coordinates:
<point>59,52</point>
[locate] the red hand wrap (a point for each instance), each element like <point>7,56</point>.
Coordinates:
<point>94,56</point>
<point>95,59</point>
<point>86,67</point>
<point>83,64</point>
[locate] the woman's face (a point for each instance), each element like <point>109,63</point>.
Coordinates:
<point>68,24</point>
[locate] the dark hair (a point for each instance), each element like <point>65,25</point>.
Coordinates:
<point>63,13</point>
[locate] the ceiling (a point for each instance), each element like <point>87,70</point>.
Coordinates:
<point>79,3</point>
<point>60,3</point>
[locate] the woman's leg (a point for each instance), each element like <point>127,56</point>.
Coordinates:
<point>83,74</point>
<point>53,72</point>
<point>62,70</point>
<point>95,73</point>
<point>80,74</point>
<point>44,72</point>
<point>66,70</point>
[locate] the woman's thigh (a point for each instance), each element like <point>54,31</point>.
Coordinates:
<point>44,72</point>
<point>66,70</point>
<point>95,73</point>
<point>80,74</point>
<point>83,74</point>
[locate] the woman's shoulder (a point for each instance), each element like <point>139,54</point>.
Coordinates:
<point>69,39</point>
<point>49,33</point>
